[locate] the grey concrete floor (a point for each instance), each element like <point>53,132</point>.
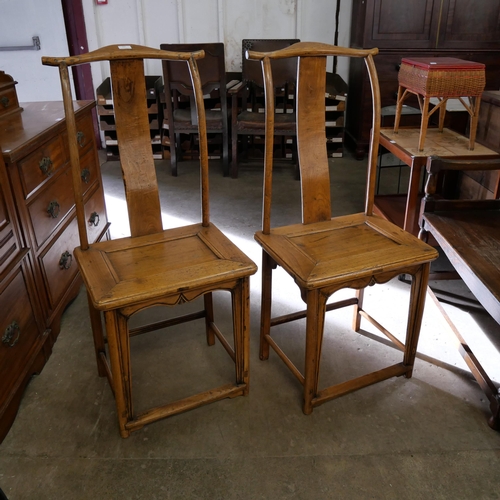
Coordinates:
<point>419,438</point>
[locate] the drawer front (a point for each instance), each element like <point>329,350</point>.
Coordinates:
<point>58,264</point>
<point>95,215</point>
<point>85,133</point>
<point>51,206</point>
<point>8,101</point>
<point>88,166</point>
<point>18,331</point>
<point>39,167</point>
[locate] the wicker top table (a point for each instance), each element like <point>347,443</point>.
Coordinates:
<point>441,78</point>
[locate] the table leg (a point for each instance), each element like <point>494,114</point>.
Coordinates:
<point>412,211</point>
<point>423,126</point>
<point>474,120</point>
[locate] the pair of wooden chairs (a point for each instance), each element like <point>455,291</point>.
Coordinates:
<point>168,267</point>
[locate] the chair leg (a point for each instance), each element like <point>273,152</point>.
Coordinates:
<point>119,353</point>
<point>175,141</point>
<point>225,154</point>
<point>417,301</point>
<point>234,154</point>
<point>356,318</point>
<point>315,322</point>
<point>97,332</point>
<point>265,309</point>
<point>424,124</point>
<point>241,322</point>
<point>209,318</point>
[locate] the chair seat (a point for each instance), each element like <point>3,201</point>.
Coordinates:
<point>254,120</point>
<point>213,119</point>
<point>342,249</point>
<point>175,262</point>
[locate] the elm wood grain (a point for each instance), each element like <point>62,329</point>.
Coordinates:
<point>468,231</point>
<point>154,266</point>
<point>324,254</point>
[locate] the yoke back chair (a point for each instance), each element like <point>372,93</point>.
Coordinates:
<point>324,254</point>
<point>468,232</point>
<point>183,120</point>
<point>154,266</point>
<point>247,118</point>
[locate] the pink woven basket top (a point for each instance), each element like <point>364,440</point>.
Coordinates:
<point>443,63</point>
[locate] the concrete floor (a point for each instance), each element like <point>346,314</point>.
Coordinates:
<point>419,438</point>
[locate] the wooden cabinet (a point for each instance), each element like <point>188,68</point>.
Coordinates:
<point>467,29</point>
<point>38,232</point>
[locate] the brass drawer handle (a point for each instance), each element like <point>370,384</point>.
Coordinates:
<point>11,334</point>
<point>94,219</point>
<point>53,209</point>
<point>86,175</point>
<point>66,260</point>
<point>5,101</point>
<point>45,165</point>
<point>80,137</point>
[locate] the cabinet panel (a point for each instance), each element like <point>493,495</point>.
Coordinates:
<point>95,214</point>
<point>58,265</point>
<point>18,329</point>
<point>10,244</point>
<point>409,24</point>
<point>470,23</point>
<point>51,206</point>
<point>38,167</point>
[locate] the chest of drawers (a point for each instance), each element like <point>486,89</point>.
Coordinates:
<point>38,232</point>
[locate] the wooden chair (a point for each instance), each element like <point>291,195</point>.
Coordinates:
<point>153,266</point>
<point>247,118</point>
<point>468,232</point>
<point>324,254</point>
<point>183,119</point>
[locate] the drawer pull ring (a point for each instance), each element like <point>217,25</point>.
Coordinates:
<point>94,219</point>
<point>45,165</point>
<point>80,137</point>
<point>11,334</point>
<point>5,101</point>
<point>53,209</point>
<point>86,175</point>
<point>66,260</point>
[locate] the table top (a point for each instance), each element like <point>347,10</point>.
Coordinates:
<point>20,133</point>
<point>446,143</point>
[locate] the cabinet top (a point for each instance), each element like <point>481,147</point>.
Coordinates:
<point>22,133</point>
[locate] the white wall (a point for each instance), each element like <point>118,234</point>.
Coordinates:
<point>152,22</point>
<point>20,20</point>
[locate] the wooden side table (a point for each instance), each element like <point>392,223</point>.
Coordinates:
<point>404,209</point>
<point>442,78</point>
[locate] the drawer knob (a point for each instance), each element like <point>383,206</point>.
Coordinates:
<point>5,101</point>
<point>45,165</point>
<point>80,137</point>
<point>53,209</point>
<point>11,334</point>
<point>85,175</point>
<point>94,219</point>
<point>66,260</point>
